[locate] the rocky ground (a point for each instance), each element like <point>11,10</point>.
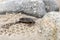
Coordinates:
<point>46,28</point>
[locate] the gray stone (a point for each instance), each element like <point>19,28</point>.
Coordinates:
<point>30,7</point>
<point>51,5</point>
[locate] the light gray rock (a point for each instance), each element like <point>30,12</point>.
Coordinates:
<point>35,8</point>
<point>31,7</point>
<point>51,5</point>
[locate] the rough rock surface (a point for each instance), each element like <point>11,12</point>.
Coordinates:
<point>52,19</point>
<point>35,8</point>
<point>41,30</point>
<point>46,28</point>
<point>51,5</point>
<point>31,7</point>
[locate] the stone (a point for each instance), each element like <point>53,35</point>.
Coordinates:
<point>37,8</point>
<point>51,5</point>
<point>30,7</point>
<point>52,19</point>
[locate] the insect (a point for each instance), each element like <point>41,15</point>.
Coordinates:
<point>26,20</point>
